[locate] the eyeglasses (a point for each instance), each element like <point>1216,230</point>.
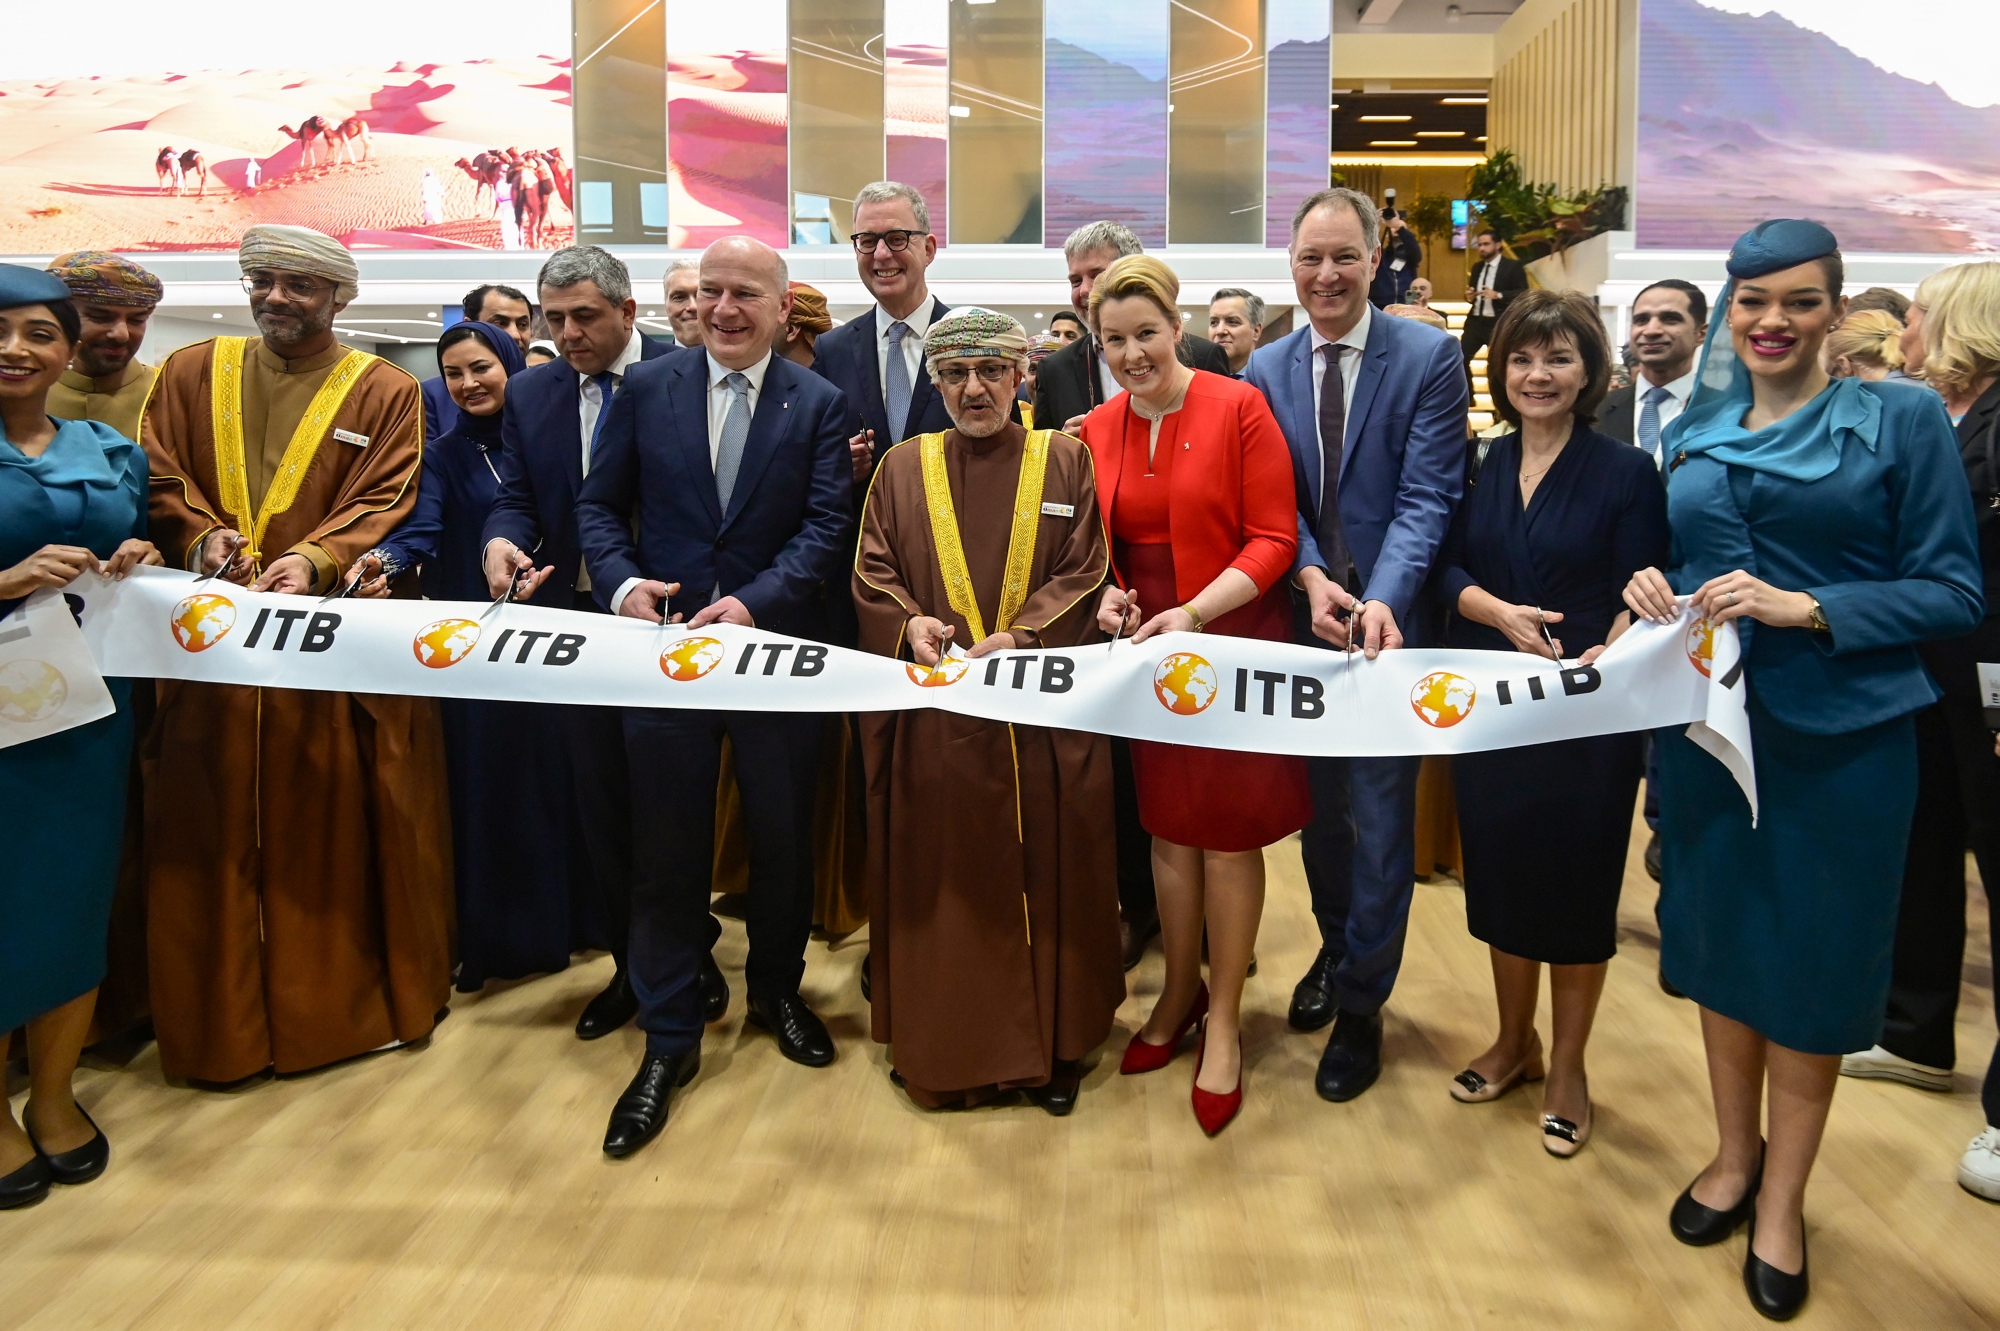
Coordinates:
<point>295,288</point>
<point>955,375</point>
<point>897,241</point>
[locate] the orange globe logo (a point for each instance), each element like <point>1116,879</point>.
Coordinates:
<point>31,691</point>
<point>1442,699</point>
<point>691,658</point>
<point>202,620</point>
<point>948,670</point>
<point>1701,644</point>
<point>445,643</point>
<point>1185,684</point>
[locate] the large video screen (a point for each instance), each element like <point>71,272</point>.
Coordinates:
<point>1883,123</point>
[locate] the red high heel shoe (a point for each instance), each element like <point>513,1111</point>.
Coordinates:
<point>1142,1055</point>
<point>1213,1111</point>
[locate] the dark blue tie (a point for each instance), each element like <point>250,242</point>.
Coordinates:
<point>1332,427</point>
<point>605,386</point>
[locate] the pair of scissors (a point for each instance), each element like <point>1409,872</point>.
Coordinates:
<point>353,581</point>
<point>1554,652</point>
<point>513,586</point>
<point>228,562</point>
<point>1120,631</point>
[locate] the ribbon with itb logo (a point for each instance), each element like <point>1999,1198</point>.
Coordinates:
<point>1210,691</point>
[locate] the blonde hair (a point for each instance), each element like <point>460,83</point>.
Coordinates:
<point>1138,275</point>
<point>1961,329</point>
<point>1868,337</point>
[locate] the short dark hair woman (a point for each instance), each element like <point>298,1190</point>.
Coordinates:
<point>1830,520</point>
<point>72,500</point>
<point>1555,521</point>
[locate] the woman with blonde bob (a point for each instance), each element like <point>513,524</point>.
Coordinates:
<point>1867,344</point>
<point>1953,344</point>
<point>1195,483</point>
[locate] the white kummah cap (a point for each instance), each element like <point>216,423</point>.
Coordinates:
<point>298,249</point>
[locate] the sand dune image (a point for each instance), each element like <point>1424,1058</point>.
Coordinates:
<point>726,147</point>
<point>77,155</point>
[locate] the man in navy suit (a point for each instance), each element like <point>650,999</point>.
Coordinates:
<point>1375,411</point>
<point>551,410</point>
<point>722,480</point>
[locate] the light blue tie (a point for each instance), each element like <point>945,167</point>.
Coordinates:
<point>735,433</point>
<point>896,386</point>
<point>1649,421</point>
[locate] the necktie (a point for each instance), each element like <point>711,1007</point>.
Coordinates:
<point>1649,421</point>
<point>606,385</point>
<point>735,431</point>
<point>1332,426</point>
<point>896,385</point>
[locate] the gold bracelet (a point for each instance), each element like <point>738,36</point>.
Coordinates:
<point>1193,614</point>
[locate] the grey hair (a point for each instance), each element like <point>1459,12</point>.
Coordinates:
<point>888,191</point>
<point>1363,206</point>
<point>587,263</point>
<point>691,264</point>
<point>1101,236</point>
<point>1252,305</point>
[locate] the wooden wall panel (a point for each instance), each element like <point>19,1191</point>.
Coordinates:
<point>1555,101</point>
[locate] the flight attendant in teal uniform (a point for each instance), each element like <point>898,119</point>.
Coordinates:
<point>1830,520</point>
<point>72,498</point>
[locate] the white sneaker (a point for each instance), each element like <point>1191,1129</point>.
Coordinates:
<point>1880,1065</point>
<point>1979,1167</point>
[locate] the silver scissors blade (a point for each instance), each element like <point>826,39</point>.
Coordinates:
<point>1554,652</point>
<point>1119,632</point>
<point>513,585</point>
<point>353,581</point>
<point>228,562</point>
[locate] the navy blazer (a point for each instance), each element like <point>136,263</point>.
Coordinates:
<point>1403,467</point>
<point>541,471</point>
<point>440,412</point>
<point>846,358</point>
<point>649,508</point>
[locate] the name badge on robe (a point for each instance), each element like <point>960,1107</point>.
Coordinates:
<point>349,437</point>
<point>1989,693</point>
<point>1058,510</point>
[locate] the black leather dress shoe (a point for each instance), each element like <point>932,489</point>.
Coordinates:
<point>1667,987</point>
<point>26,1185</point>
<point>1353,1057</point>
<point>1134,934</point>
<point>714,990</point>
<point>1312,1000</point>
<point>1058,1096</point>
<point>84,1163</point>
<point>1772,1292</point>
<point>1652,857</point>
<point>1698,1226</point>
<point>801,1036</point>
<point>609,1010</point>
<point>867,979</point>
<point>642,1110</point>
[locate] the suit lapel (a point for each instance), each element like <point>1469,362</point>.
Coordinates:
<point>1304,427</point>
<point>568,432</point>
<point>920,389</point>
<point>1374,365</point>
<point>690,404</point>
<point>865,369</point>
<point>767,433</point>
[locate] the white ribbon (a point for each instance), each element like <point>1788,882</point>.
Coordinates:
<point>1206,690</point>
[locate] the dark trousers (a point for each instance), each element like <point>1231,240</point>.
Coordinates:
<point>1958,802</point>
<point>1477,333</point>
<point>1360,856</point>
<point>1652,806</point>
<point>595,738</point>
<point>1135,843</point>
<point>676,758</point>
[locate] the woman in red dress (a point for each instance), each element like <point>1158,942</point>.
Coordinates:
<point>1195,482</point>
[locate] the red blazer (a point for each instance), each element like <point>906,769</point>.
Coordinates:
<point>1231,504</point>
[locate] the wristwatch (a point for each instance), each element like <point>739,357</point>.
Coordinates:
<point>1818,621</point>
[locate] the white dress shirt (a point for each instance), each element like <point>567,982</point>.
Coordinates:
<point>1107,383</point>
<point>590,405</point>
<point>1350,374</point>
<point>1489,273</point>
<point>1678,393</point>
<point>918,321</point>
<point>719,400</point>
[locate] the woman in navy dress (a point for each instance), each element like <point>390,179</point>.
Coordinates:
<point>72,499</point>
<point>1554,523</point>
<point>516,843</point>
<point>1830,520</point>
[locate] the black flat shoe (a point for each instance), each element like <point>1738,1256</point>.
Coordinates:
<point>84,1163</point>
<point>1133,936</point>
<point>1772,1292</point>
<point>1353,1057</point>
<point>642,1110</point>
<point>26,1185</point>
<point>867,979</point>
<point>1698,1226</point>
<point>714,989</point>
<point>1058,1096</point>
<point>608,1011</point>
<point>1313,1003</point>
<point>802,1037</point>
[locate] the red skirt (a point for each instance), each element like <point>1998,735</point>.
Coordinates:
<point>1214,799</point>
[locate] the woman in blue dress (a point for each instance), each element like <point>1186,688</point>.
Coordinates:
<point>517,848</point>
<point>72,500</point>
<point>1830,520</point>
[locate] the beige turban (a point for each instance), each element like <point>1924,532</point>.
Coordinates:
<point>971,331</point>
<point>298,249</point>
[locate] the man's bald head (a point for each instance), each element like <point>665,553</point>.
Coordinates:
<point>744,300</point>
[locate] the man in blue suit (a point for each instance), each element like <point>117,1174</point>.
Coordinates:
<point>1374,408</point>
<point>722,479</point>
<point>551,410</point>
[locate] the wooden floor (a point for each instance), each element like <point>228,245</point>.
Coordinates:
<point>460,1183</point>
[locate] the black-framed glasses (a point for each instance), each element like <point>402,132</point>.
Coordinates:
<point>294,286</point>
<point>958,374</point>
<point>897,241</point>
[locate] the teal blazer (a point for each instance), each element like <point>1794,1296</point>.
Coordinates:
<point>1887,543</point>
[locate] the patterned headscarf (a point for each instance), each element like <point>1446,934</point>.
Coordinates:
<point>298,249</point>
<point>809,309</point>
<point>1043,345</point>
<point>106,279</point>
<point>972,331</point>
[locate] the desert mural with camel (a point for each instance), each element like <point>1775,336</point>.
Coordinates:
<point>450,154</point>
